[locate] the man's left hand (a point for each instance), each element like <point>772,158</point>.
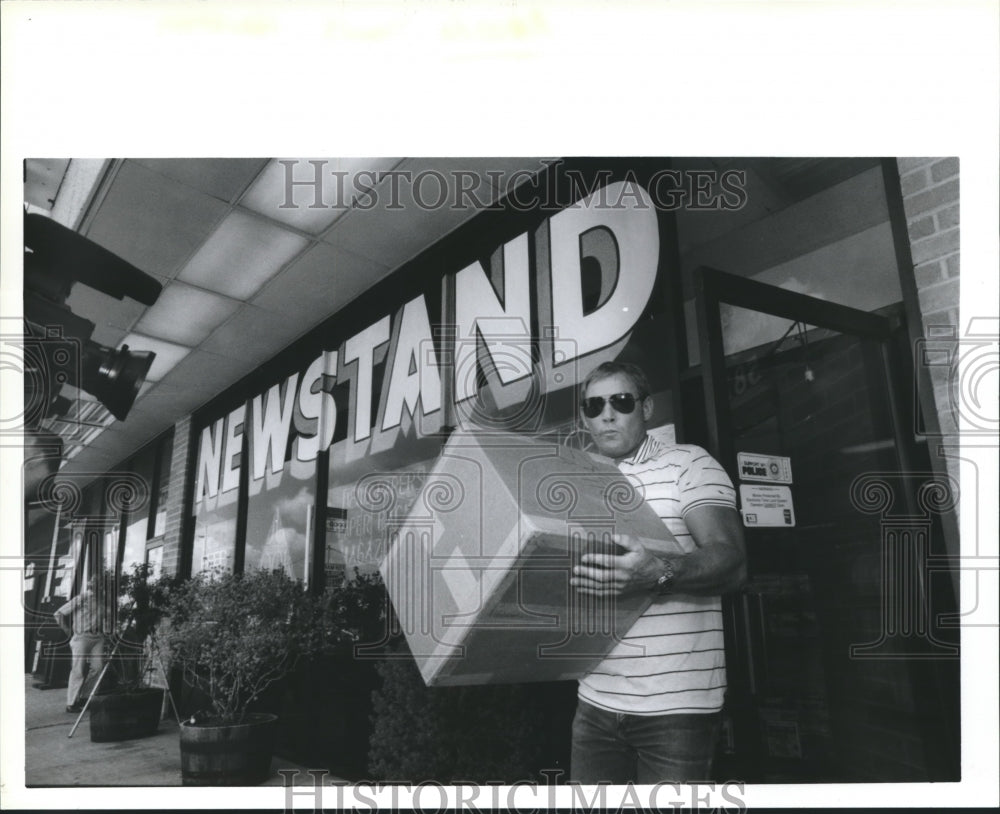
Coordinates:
<point>634,571</point>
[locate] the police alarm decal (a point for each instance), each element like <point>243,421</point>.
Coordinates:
<point>765,505</point>
<point>769,468</point>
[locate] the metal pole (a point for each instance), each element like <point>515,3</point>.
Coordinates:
<point>100,678</point>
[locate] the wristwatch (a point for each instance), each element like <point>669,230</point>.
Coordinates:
<point>666,579</point>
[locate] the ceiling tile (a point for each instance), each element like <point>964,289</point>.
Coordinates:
<point>319,190</point>
<point>205,374</point>
<point>254,335</point>
<point>185,314</point>
<point>423,203</point>
<point>90,461</point>
<point>144,389</point>
<point>832,214</point>
<point>157,393</point>
<point>172,404</point>
<point>83,175</point>
<point>222,178</point>
<point>167,353</point>
<point>141,425</point>
<point>153,222</point>
<point>323,280</point>
<point>243,253</point>
<point>42,177</point>
<point>108,335</point>
<point>393,237</point>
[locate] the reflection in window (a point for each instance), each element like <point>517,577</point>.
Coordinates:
<point>68,548</point>
<point>154,559</point>
<point>138,519</point>
<point>361,515</point>
<point>135,543</point>
<point>279,526</point>
<point>166,453</point>
<point>111,547</point>
<point>214,539</point>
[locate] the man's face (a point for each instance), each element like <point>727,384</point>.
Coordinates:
<point>617,435</point>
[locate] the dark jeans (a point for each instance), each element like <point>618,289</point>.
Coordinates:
<point>619,748</point>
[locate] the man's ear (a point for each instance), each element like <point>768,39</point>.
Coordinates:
<point>647,408</point>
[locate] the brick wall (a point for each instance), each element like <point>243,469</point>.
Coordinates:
<point>930,200</point>
<point>176,491</point>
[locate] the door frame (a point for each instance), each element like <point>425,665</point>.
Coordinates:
<point>714,287</point>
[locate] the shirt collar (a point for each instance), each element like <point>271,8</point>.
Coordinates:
<point>648,449</point>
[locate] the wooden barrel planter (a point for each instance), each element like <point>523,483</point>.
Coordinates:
<point>120,716</point>
<point>215,754</point>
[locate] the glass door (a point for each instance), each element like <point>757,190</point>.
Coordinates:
<point>837,671</point>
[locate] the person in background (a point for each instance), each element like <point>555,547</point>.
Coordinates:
<point>651,710</point>
<point>83,619</point>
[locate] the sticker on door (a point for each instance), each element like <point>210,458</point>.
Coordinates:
<point>772,468</point>
<point>766,506</point>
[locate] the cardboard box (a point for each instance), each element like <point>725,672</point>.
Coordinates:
<point>478,573</point>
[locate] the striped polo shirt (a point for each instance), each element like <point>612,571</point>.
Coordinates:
<point>672,659</point>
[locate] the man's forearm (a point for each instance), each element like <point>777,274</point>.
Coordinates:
<point>718,564</point>
<point>708,571</point>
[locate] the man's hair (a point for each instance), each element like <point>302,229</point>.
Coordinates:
<point>605,369</point>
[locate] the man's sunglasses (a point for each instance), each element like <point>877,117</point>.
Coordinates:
<point>622,402</point>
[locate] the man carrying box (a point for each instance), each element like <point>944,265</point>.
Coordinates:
<point>651,710</point>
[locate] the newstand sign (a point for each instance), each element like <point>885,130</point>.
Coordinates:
<point>487,344</point>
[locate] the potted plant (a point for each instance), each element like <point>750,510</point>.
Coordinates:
<point>232,636</point>
<point>125,705</point>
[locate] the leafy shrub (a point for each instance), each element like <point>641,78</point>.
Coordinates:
<point>233,635</point>
<point>138,606</point>
<point>360,607</point>
<point>496,733</point>
<point>142,602</point>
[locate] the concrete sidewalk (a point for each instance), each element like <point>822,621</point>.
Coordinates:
<point>52,759</point>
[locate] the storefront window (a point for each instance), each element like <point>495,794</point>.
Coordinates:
<point>280,526</point>
<point>283,422</point>
<point>166,454</point>
<point>111,548</point>
<point>215,540</point>
<point>154,559</point>
<point>361,514</point>
<point>68,550</point>
<point>138,520</point>
<point>217,494</point>
<point>54,542</point>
